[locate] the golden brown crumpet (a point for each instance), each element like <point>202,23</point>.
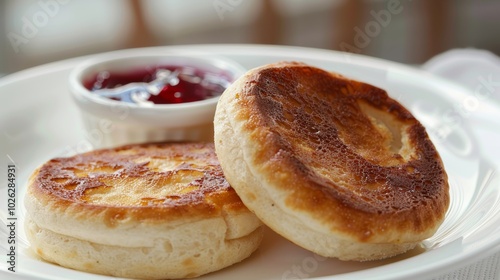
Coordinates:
<point>154,211</point>
<point>332,164</point>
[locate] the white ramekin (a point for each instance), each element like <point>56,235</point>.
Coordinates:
<point>117,123</point>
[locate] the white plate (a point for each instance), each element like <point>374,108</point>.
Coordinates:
<point>38,121</point>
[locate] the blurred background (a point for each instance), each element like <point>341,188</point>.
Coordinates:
<point>35,32</point>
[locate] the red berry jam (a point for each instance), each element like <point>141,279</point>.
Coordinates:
<point>170,84</point>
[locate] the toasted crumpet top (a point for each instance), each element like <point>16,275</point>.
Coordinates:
<point>341,153</point>
<point>151,183</point>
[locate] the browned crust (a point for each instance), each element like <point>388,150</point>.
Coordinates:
<point>57,185</point>
<point>303,119</point>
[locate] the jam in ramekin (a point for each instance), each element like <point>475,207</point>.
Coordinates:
<point>166,84</point>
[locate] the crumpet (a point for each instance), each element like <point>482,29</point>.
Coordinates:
<point>332,164</point>
<point>142,211</point>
